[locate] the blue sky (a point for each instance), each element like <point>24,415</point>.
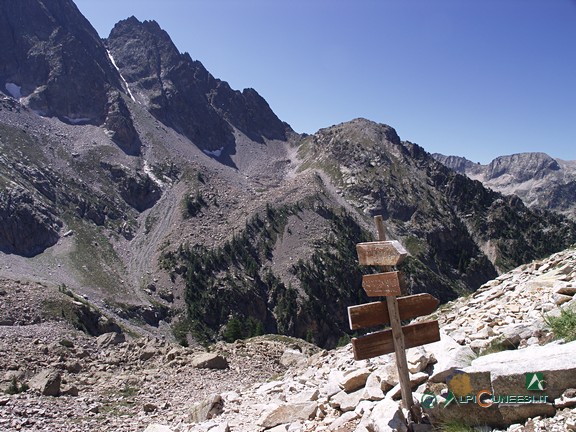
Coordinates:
<point>474,78</point>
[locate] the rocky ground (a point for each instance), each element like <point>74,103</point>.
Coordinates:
<point>54,377</point>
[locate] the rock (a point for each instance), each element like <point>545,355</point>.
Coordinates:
<point>120,125</point>
<point>270,387</point>
<point>27,226</point>
<point>342,420</point>
<point>70,391</point>
<point>354,380</point>
<point>220,428</point>
<point>209,361</point>
<point>506,373</point>
<point>74,367</point>
<point>508,369</point>
<point>373,389</point>
<point>451,356</point>
<point>364,407</point>
<point>37,52</point>
<point>332,387</point>
<point>567,400</point>
<point>206,409</point>
<point>154,427</point>
<point>515,333</point>
<point>560,299</point>
<point>47,382</point>
<point>418,358</point>
<point>478,345</point>
<point>346,401</point>
<point>279,428</point>
<point>148,352</point>
<point>395,393</point>
<point>110,339</point>
<point>94,409</point>
<point>306,396</point>
<point>172,354</point>
<point>292,357</point>
<point>388,374</point>
<point>150,407</point>
<point>387,417</point>
<point>418,378</point>
<point>288,413</point>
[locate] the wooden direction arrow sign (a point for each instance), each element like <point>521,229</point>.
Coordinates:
<point>382,342</point>
<point>376,313</point>
<point>381,253</point>
<point>383,284</point>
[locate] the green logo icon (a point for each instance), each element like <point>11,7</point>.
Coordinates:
<point>535,381</point>
<point>449,399</point>
<point>428,400</point>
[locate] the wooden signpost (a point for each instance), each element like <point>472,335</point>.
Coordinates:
<point>390,284</point>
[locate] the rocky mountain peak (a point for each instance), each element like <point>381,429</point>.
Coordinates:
<point>353,143</point>
<point>539,179</point>
<point>457,163</point>
<point>53,61</point>
<point>522,166</point>
<point>182,94</point>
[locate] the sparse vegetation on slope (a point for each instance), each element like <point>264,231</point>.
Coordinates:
<point>232,292</point>
<point>564,325</point>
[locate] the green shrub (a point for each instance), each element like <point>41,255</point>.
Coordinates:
<point>66,343</point>
<point>497,345</point>
<point>343,341</point>
<point>14,388</point>
<point>454,426</point>
<point>193,205</point>
<point>563,326</point>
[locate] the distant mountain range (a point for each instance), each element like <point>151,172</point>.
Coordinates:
<point>134,179</point>
<point>538,179</point>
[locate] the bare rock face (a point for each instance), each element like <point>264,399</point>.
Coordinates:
<point>138,190</point>
<point>53,60</point>
<point>47,382</point>
<point>206,409</point>
<point>120,125</point>
<point>27,227</point>
<point>522,167</point>
<point>540,180</point>
<point>209,361</point>
<point>182,94</point>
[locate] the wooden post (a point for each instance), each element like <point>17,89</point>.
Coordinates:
<point>398,336</point>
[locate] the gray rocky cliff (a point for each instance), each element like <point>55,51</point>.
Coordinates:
<point>27,227</point>
<point>540,180</point>
<point>53,60</point>
<point>182,94</point>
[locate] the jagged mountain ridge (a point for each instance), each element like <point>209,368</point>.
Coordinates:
<point>539,179</point>
<point>53,60</point>
<point>182,94</point>
<point>237,223</point>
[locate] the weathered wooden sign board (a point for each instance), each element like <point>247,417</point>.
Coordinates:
<point>382,342</point>
<point>376,313</point>
<point>383,284</point>
<point>381,253</point>
<point>393,311</point>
